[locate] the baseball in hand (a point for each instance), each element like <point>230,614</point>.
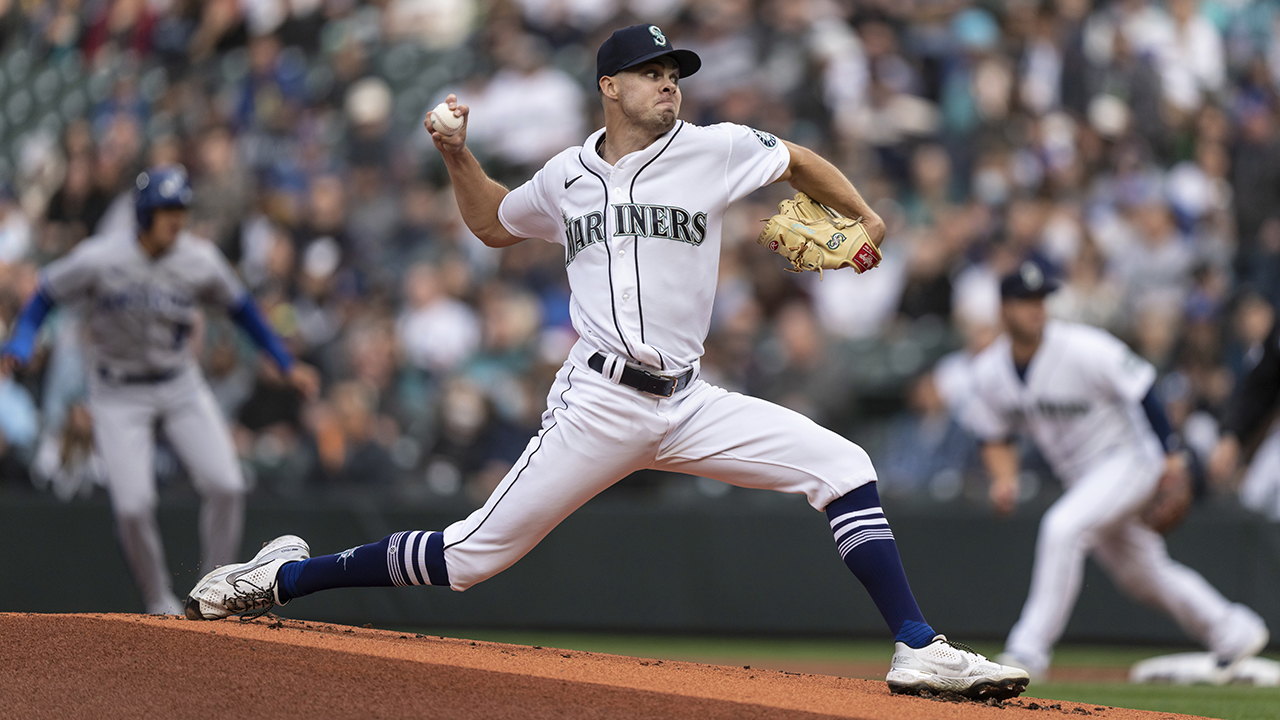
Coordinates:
<point>444,121</point>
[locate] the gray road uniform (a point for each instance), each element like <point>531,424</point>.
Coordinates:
<point>140,312</point>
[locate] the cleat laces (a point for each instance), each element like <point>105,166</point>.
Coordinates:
<point>249,597</point>
<point>962,647</point>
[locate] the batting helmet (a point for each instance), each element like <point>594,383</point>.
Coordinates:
<point>165,186</point>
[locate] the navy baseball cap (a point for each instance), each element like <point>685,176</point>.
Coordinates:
<point>633,45</point>
<point>1030,280</point>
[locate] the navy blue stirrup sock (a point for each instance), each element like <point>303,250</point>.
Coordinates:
<point>866,544</point>
<point>403,558</point>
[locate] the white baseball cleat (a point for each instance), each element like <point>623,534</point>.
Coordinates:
<point>245,587</point>
<point>944,666</point>
<point>1241,636</point>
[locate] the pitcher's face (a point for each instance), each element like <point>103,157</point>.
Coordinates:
<point>649,94</point>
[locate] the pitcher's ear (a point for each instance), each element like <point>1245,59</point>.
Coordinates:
<point>609,87</point>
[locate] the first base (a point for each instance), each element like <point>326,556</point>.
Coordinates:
<point>1200,669</point>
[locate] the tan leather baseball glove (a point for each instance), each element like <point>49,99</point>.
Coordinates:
<point>812,236</point>
<point>1170,502</point>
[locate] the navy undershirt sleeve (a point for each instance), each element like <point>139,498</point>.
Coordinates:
<point>246,315</point>
<point>1159,420</point>
<point>1256,394</point>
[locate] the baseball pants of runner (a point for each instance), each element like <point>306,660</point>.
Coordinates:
<point>124,421</point>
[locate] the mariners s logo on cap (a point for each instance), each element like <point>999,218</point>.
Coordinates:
<point>1032,276</point>
<point>635,44</point>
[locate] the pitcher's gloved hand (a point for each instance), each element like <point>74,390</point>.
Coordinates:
<point>812,236</point>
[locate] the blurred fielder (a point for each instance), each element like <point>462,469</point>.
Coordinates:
<point>1087,402</point>
<point>142,294</point>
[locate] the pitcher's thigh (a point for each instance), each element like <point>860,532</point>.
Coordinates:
<point>749,442</point>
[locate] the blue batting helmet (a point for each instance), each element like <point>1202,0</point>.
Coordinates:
<point>165,186</point>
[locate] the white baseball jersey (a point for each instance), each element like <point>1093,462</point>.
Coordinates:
<point>140,310</point>
<point>1080,400</point>
<point>651,305</point>
<point>642,246</point>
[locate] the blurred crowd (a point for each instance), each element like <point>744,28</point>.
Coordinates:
<point>1131,145</point>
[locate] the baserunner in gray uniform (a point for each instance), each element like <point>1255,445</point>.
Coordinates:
<point>142,295</point>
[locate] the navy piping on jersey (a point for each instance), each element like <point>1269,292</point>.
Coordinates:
<point>636,253</point>
<point>1022,371</point>
<point>527,460</point>
<point>608,253</point>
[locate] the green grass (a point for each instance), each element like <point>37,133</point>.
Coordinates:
<point>1227,703</point>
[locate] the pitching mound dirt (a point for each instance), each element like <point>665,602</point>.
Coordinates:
<point>110,666</point>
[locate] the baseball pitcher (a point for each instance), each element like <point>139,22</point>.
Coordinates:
<point>638,208</point>
<point>141,296</point>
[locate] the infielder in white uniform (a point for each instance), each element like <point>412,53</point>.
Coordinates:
<point>1087,402</point>
<point>142,295</point>
<point>638,208</point>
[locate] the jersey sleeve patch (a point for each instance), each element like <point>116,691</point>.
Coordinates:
<point>766,139</point>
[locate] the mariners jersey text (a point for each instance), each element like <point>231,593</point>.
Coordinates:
<point>633,220</point>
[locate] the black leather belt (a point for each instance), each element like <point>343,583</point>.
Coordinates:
<point>138,379</point>
<point>645,381</point>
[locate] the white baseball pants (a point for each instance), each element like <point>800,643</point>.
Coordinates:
<point>1098,514</point>
<point>1260,488</point>
<point>124,419</point>
<point>595,433</point>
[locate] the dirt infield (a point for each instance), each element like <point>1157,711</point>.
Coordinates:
<point>156,666</point>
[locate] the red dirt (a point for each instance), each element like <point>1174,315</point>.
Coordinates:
<point>109,666</point>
